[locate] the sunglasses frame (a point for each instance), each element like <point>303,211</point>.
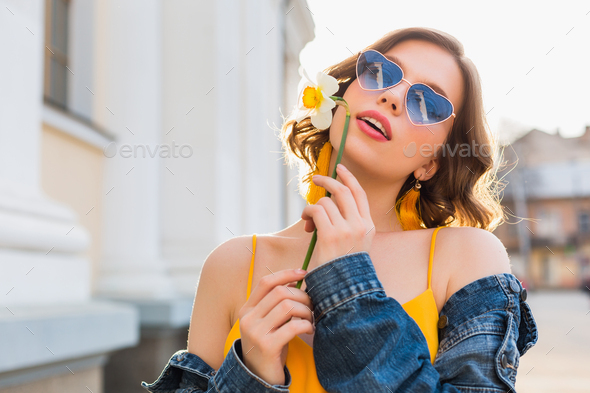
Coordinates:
<point>406,95</point>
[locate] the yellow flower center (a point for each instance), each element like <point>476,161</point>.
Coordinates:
<point>311,97</point>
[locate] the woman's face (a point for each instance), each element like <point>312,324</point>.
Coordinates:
<point>410,147</point>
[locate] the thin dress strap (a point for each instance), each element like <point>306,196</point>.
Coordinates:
<point>251,267</point>
<point>431,256</point>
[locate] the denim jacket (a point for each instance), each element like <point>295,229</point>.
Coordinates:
<point>365,341</point>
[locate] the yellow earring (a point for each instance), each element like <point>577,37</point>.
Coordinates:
<point>407,209</point>
<point>314,193</point>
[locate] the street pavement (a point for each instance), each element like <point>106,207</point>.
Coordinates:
<point>560,361</point>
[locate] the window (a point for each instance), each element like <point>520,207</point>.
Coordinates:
<point>584,222</point>
<point>549,224</point>
<point>56,52</point>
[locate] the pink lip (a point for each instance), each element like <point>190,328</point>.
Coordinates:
<point>379,117</point>
<point>370,131</point>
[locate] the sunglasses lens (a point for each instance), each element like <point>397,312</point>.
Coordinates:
<point>377,72</point>
<point>427,107</point>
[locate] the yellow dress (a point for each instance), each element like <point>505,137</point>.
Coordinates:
<point>300,360</point>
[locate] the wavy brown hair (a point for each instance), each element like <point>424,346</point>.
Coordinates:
<point>464,190</point>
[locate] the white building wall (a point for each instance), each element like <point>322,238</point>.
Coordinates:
<point>47,316</point>
<point>208,75</point>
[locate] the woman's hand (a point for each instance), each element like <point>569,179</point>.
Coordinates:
<point>265,335</point>
<point>344,224</point>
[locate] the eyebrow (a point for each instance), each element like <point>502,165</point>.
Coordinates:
<point>434,86</point>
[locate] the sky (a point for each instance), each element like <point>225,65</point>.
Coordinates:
<point>533,57</point>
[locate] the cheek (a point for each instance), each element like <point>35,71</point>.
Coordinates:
<point>422,142</point>
<point>354,94</point>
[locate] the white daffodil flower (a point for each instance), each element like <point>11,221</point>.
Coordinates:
<point>315,99</point>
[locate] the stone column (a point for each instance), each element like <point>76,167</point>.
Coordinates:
<point>129,103</point>
<point>39,238</point>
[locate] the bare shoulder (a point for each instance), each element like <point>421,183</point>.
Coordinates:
<point>230,264</point>
<point>218,289</point>
<point>229,253</point>
<point>474,253</point>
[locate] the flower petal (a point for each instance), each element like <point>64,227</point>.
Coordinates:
<point>321,121</point>
<point>306,76</point>
<point>302,114</point>
<point>327,103</point>
<point>327,83</point>
<point>301,70</point>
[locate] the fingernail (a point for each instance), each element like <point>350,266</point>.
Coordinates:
<point>300,271</point>
<point>342,167</point>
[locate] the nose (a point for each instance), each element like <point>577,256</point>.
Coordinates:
<point>393,98</point>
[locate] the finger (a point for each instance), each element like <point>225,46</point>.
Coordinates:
<point>308,302</point>
<point>286,310</point>
<point>276,296</point>
<point>334,214</point>
<point>269,282</point>
<point>288,331</point>
<point>309,225</point>
<point>318,214</point>
<point>342,195</point>
<point>357,191</point>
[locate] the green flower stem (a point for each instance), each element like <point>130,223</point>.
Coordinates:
<point>314,238</point>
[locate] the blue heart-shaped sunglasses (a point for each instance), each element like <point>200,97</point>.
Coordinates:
<point>424,106</point>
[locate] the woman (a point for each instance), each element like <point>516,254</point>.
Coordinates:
<point>389,312</point>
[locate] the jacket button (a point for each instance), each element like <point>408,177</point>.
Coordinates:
<point>179,358</point>
<point>504,360</point>
<point>213,373</point>
<point>443,321</point>
<point>514,286</point>
<point>523,295</point>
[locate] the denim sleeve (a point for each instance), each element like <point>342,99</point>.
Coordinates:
<point>365,341</point>
<point>188,373</point>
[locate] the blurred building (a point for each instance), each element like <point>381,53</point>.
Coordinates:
<point>135,137</point>
<point>550,185</point>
